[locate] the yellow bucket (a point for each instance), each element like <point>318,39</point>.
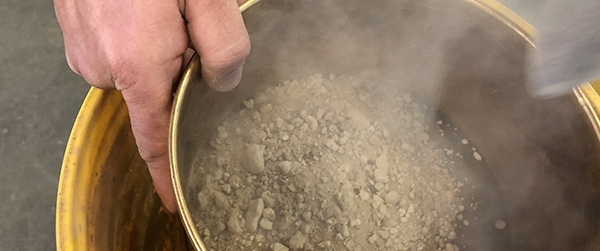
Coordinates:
<point>105,197</point>
<point>106,200</point>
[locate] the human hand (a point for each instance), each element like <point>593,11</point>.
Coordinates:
<point>138,47</point>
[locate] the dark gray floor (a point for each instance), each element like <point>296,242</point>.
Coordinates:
<point>39,99</point>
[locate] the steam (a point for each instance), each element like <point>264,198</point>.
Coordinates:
<point>471,66</point>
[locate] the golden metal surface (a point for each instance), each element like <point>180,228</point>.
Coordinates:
<point>190,74</point>
<point>590,100</point>
<point>192,70</point>
<point>105,197</point>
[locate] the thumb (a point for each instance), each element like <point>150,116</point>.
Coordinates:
<point>219,36</point>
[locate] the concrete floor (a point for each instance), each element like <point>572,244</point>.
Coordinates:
<point>39,100</point>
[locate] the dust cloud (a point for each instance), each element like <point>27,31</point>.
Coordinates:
<point>537,154</point>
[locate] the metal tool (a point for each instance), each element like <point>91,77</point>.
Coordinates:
<point>568,47</point>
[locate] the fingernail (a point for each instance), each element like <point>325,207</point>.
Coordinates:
<point>230,81</point>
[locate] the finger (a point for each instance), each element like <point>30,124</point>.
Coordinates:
<point>219,35</point>
<point>149,102</point>
<point>63,10</point>
<point>71,58</point>
<point>84,62</point>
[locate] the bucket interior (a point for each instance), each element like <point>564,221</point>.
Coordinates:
<point>539,172</point>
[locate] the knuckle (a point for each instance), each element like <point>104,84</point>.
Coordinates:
<point>228,56</point>
<point>123,71</point>
<point>73,55</point>
<point>150,156</point>
<point>72,61</point>
<point>88,66</point>
<point>98,79</point>
<point>150,132</point>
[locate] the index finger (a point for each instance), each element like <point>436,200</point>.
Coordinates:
<point>149,103</point>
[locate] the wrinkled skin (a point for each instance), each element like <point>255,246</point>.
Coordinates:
<point>139,46</point>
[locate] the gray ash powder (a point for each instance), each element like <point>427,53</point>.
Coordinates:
<point>320,164</point>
